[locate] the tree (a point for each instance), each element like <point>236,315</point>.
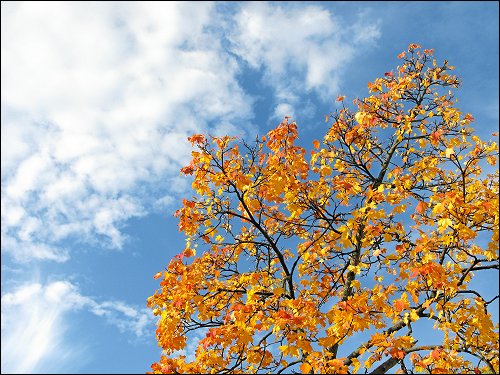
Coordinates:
<point>366,256</point>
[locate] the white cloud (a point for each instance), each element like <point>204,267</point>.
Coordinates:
<point>282,110</point>
<point>126,318</point>
<point>98,99</point>
<point>308,41</point>
<point>34,325</point>
<point>97,102</point>
<point>164,202</point>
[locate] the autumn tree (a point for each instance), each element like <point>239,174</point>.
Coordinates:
<point>376,252</point>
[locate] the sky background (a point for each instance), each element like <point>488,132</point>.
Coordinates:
<point>97,100</point>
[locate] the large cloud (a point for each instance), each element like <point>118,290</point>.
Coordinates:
<point>98,98</point>
<point>97,102</point>
<point>34,325</point>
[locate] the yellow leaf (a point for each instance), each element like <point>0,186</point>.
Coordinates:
<point>359,116</point>
<point>289,350</point>
<point>355,269</point>
<point>399,209</point>
<point>414,297</point>
<point>304,345</point>
<point>449,151</point>
<point>438,208</point>
<point>326,170</point>
<point>356,365</point>
<point>406,318</point>
<point>414,316</point>
<point>426,304</point>
<point>491,160</point>
<point>443,224</point>
<point>278,291</point>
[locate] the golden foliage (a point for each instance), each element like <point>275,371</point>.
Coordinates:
<point>384,226</point>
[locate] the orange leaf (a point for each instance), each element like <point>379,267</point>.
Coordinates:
<point>188,169</point>
<point>397,353</point>
<point>468,117</point>
<point>340,98</point>
<point>400,305</point>
<point>305,368</point>
<point>421,207</point>
<point>435,354</point>
<point>196,138</point>
<point>400,248</point>
<point>436,136</point>
<point>415,273</point>
<point>278,291</point>
<point>316,143</point>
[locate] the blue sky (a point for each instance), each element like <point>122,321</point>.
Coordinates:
<point>97,102</point>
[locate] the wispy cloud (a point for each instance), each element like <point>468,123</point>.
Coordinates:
<point>282,110</point>
<point>34,325</point>
<point>308,41</point>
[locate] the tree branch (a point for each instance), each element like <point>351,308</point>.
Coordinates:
<point>386,366</point>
